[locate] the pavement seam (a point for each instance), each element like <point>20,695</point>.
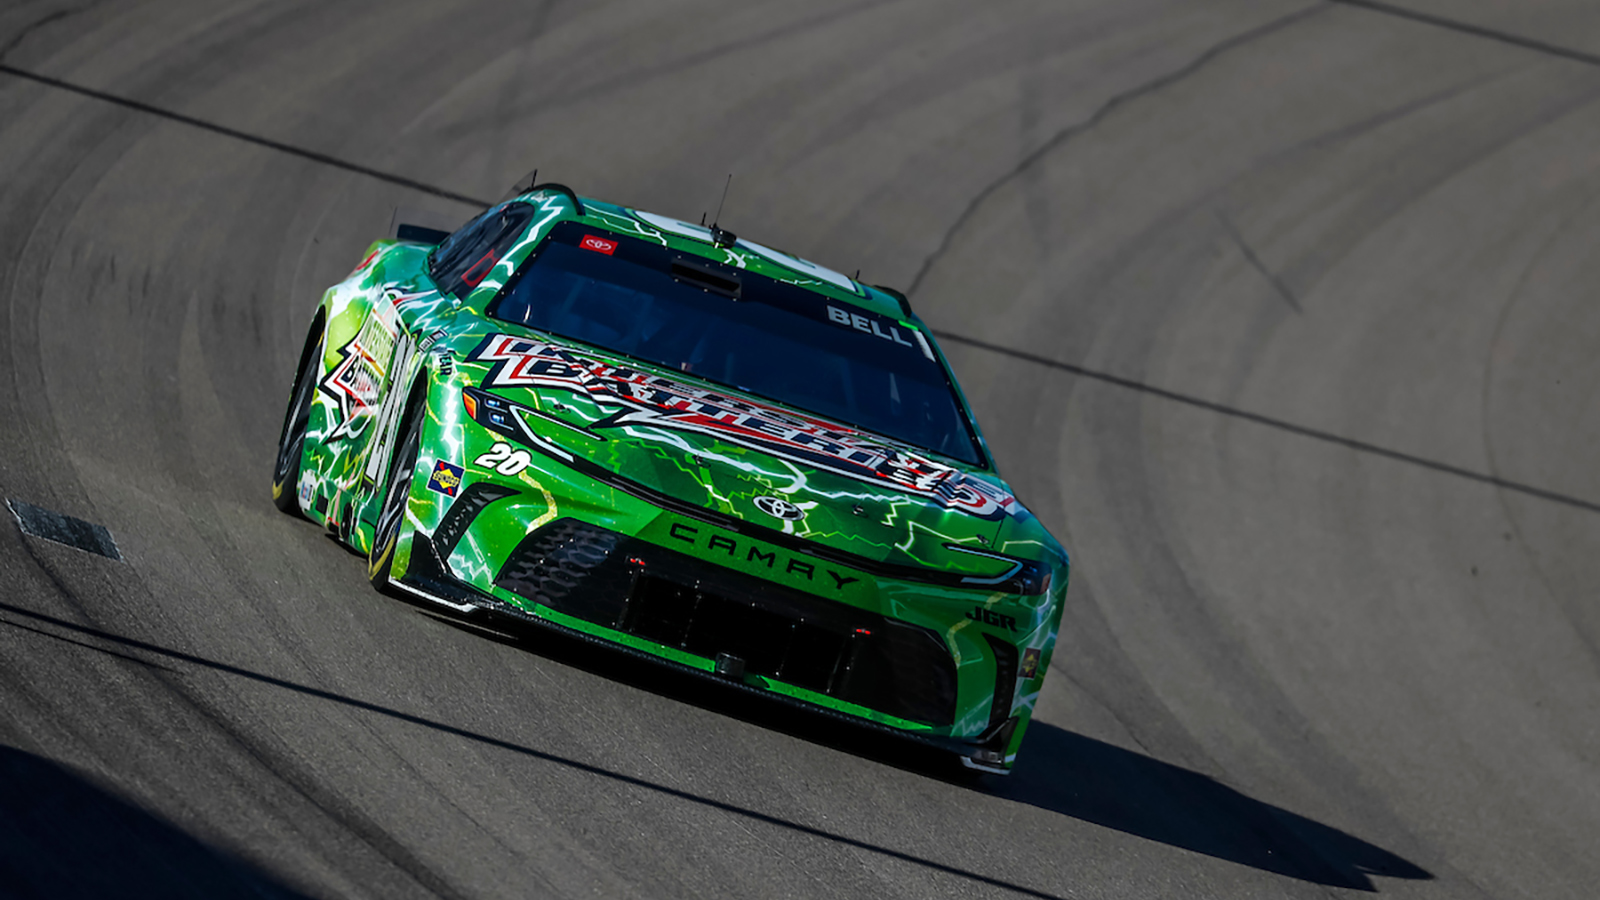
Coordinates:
<point>1270,422</point>
<point>1456,25</point>
<point>245,136</point>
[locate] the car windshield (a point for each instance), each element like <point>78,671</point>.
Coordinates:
<point>733,327</point>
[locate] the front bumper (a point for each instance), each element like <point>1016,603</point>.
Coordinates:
<point>991,753</point>
<point>647,601</point>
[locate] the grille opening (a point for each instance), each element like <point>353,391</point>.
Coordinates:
<point>706,624</point>
<point>569,566</point>
<point>758,637</point>
<point>660,595</point>
<point>815,657</point>
<point>661,611</point>
<point>1005,677</point>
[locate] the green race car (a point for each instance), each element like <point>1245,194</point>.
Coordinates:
<point>685,445</point>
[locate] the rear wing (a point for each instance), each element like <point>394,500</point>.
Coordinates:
<point>421,226</point>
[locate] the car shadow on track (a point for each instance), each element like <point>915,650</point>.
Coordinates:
<point>1097,782</point>
<point>61,836</point>
<point>1061,772</point>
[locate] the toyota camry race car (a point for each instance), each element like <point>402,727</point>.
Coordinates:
<point>685,445</point>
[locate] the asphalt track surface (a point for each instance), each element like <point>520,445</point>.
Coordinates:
<point>1280,314</point>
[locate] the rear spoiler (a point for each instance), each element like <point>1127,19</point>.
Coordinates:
<point>421,226</point>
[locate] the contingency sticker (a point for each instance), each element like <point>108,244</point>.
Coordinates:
<point>1030,662</point>
<point>446,478</point>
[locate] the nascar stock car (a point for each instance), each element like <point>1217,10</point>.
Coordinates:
<point>685,445</point>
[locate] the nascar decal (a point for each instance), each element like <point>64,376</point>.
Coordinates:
<point>357,381</point>
<point>642,398</point>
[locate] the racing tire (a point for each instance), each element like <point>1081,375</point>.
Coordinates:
<point>292,439</point>
<point>397,489</point>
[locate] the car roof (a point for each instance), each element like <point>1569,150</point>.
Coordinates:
<point>695,239</point>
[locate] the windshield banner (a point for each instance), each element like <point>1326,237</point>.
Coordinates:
<point>643,398</point>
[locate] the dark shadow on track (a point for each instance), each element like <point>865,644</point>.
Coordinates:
<point>53,624</point>
<point>1061,772</point>
<point>63,837</point>
<point>1097,782</point>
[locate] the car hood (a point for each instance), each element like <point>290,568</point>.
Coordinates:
<point>696,445</point>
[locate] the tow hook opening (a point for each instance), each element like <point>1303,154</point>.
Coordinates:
<point>730,667</point>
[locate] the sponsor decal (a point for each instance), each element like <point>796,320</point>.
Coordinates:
<point>990,617</point>
<point>752,553</point>
<point>388,412</point>
<point>1030,662</point>
<point>446,478</point>
<point>427,343</point>
<point>640,398</point>
<point>779,508</point>
<point>867,325</point>
<point>356,382</point>
<point>598,244</point>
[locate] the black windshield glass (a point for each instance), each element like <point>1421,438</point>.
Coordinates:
<point>739,329</point>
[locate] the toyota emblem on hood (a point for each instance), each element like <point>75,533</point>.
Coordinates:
<point>779,508</point>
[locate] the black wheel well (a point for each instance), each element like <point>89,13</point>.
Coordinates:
<point>319,324</point>
<point>416,404</point>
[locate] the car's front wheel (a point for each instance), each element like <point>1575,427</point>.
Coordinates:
<point>292,440</point>
<point>397,491</point>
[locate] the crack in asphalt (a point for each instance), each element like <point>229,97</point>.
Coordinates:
<point>1107,108</point>
<point>1255,262</point>
<point>35,25</point>
<point>1071,131</point>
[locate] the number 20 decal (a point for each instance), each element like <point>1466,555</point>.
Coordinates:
<point>505,460</point>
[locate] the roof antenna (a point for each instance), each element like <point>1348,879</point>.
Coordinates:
<point>721,237</point>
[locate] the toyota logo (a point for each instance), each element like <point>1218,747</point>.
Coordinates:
<point>779,508</point>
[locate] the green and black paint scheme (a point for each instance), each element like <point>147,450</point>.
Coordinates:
<point>502,471</point>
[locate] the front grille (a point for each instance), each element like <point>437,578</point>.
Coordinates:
<point>861,657</point>
<point>771,644</point>
<point>570,566</point>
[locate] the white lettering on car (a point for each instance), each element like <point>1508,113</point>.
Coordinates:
<point>641,398</point>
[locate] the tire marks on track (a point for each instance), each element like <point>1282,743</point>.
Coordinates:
<point>1056,141</point>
